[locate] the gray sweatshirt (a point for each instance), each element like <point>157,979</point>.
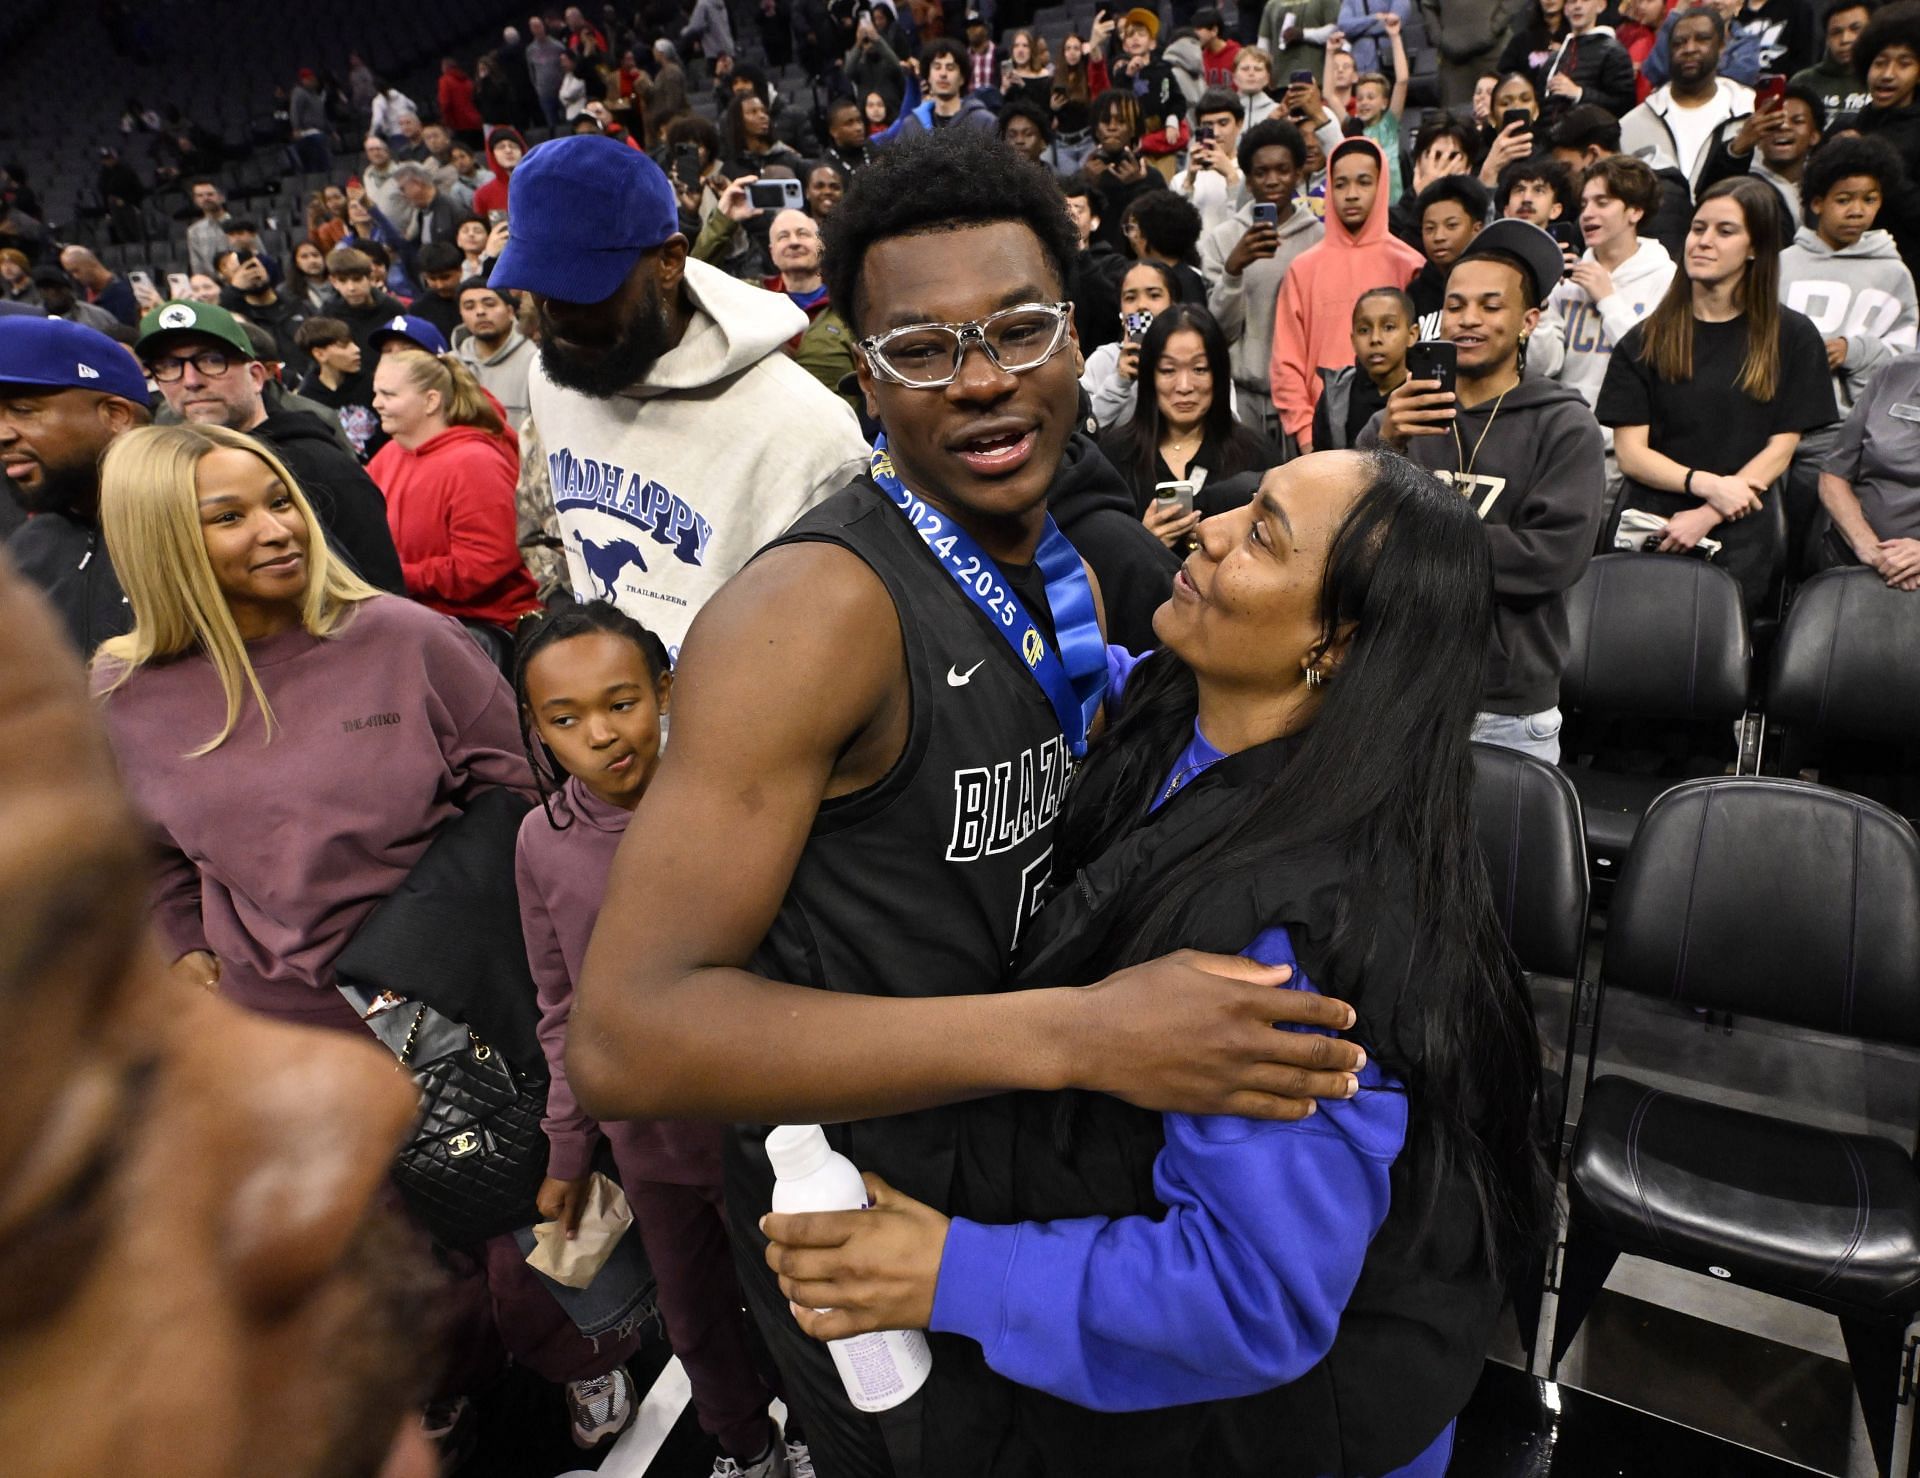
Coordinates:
<point>1863,294</point>
<point>1244,304</point>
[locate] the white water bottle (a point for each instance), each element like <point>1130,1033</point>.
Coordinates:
<point>881,1369</point>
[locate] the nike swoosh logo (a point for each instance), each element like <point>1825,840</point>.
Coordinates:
<point>957,679</point>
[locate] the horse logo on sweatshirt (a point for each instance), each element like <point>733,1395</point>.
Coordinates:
<point>607,562</point>
<point>605,487</point>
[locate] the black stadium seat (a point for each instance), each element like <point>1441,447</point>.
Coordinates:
<point>1656,682</point>
<point>1798,904</point>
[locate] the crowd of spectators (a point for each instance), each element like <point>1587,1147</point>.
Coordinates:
<point>556,347</point>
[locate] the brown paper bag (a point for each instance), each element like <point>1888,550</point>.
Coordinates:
<point>605,1221</point>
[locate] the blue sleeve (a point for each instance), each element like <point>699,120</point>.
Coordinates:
<point>1654,68</point>
<point>1120,665</point>
<point>1357,18</point>
<point>1238,1288</point>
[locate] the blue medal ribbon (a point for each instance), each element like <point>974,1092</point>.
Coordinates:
<point>1074,678</point>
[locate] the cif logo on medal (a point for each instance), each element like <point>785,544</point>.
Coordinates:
<point>1031,646</point>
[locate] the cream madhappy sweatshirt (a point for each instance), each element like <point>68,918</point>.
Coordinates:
<point>665,490</point>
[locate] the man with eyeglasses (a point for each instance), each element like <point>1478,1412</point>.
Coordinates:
<point>679,435</point>
<point>873,728</point>
<point>204,364</point>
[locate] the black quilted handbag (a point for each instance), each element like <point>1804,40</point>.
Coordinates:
<point>477,1156</point>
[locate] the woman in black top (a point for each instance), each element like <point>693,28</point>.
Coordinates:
<point>1534,45</point>
<point>1709,394</point>
<point>1182,426</point>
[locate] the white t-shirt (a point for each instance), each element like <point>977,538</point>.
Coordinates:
<point>1694,127</point>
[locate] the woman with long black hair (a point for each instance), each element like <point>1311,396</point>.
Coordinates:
<point>1289,776</point>
<point>1182,427</point>
<point>1709,393</point>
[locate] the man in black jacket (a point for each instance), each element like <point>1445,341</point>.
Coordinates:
<point>1095,284</point>
<point>66,391</point>
<point>205,367</point>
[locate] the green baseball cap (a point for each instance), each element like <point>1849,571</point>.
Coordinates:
<point>185,317</point>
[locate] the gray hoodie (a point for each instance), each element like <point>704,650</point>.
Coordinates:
<point>1863,294</point>
<point>504,372</point>
<point>1244,304</point>
<point>1537,481</point>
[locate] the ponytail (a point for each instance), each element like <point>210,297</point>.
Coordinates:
<point>462,401</point>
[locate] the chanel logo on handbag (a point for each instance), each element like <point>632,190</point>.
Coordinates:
<point>462,1144</point>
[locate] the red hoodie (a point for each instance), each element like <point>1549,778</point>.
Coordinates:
<point>492,196</point>
<point>450,505</point>
<point>1313,321</point>
<point>456,102</point>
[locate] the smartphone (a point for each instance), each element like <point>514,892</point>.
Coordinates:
<point>1179,494</point>
<point>1301,78</point>
<point>140,277</point>
<point>686,165</point>
<point>1567,233</point>
<point>1434,359</point>
<point>1266,215</point>
<point>179,285</point>
<point>1511,116</point>
<point>1134,325</point>
<point>1772,89</point>
<point>776,195</point>
<point>495,217</point>
<point>1204,133</point>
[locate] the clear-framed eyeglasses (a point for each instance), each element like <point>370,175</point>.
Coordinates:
<point>928,355</point>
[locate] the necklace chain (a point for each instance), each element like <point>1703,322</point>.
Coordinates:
<point>1464,461</point>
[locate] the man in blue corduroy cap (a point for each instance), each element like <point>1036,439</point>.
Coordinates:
<point>66,391</point>
<point>680,436</point>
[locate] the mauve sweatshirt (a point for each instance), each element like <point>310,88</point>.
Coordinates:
<point>274,850</point>
<point>562,875</point>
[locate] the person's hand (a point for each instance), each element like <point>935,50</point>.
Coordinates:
<point>1101,33</point>
<point>1728,497</point>
<point>1336,40</point>
<point>852,1272</point>
<point>1836,353</point>
<point>1898,561</point>
<point>1594,278</point>
<point>1767,119</point>
<point>1305,98</point>
<point>734,204</point>
<point>1515,141</point>
<point>198,968</point>
<point>1560,85</point>
<point>1443,159</point>
<point>1259,244</point>
<point>497,240</point>
<point>1128,367</point>
<point>1170,523</point>
<point>1129,168</point>
<point>1134,65</point>
<point>1688,527</point>
<point>356,190</point>
<point>1389,23</point>
<point>1416,408</point>
<point>563,1201</point>
<point>1192,1033</point>
<point>146,297</point>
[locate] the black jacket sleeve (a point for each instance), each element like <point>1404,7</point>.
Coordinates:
<point>350,509</point>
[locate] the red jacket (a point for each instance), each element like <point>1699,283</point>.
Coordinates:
<point>492,196</point>
<point>450,505</point>
<point>456,102</point>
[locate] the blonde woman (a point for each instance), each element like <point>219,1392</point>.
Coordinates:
<point>262,686</point>
<point>448,475</point>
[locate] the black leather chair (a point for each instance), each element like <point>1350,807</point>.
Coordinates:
<point>1799,904</point>
<point>1846,686</point>
<point>1656,683</point>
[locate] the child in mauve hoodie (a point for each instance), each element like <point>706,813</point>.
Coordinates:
<point>592,685</point>
<point>1312,322</point>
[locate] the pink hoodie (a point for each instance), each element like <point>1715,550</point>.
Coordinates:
<point>1313,321</point>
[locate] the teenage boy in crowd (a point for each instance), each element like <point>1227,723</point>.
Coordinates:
<point>1450,213</point>
<point>679,437</point>
<point>364,305</point>
<point>857,857</point>
<point>1832,78</point>
<point>1618,281</point>
<point>1772,145</point>
<point>493,347</point>
<point>341,380</point>
<point>1586,135</point>
<point>441,266</point>
<point>1538,191</point>
<point>1245,263</point>
<point>948,103</point>
<point>1444,146</point>
<point>1161,227</point>
<point>1313,321</point>
<point>1218,51</point>
<point>1526,452</point>
<point>1887,59</point>
<point>1213,179</point>
<point>1094,283</point>
<point>1673,127</point>
<point>1384,328</point>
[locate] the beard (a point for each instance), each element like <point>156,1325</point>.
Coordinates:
<point>67,490</point>
<point>622,363</point>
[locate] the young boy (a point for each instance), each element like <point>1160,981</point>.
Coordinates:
<point>1449,214</point>
<point>1384,328</point>
<point>1887,59</point>
<point>338,380</point>
<point>1844,274</point>
<point>1378,104</point>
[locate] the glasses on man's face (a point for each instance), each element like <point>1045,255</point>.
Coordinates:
<point>928,355</point>
<point>208,363</point>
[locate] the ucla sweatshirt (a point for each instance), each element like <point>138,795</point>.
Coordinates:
<point>1862,293</point>
<point>666,489</point>
<point>274,849</point>
<point>1574,341</point>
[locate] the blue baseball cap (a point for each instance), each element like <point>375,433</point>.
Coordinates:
<point>583,209</point>
<point>67,356</point>
<point>407,326</point>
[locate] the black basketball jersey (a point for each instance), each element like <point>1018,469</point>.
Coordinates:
<point>919,885</point>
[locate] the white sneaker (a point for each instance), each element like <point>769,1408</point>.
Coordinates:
<point>773,1465</point>
<point>799,1461</point>
<point>600,1408</point>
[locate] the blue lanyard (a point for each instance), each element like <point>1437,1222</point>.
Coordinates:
<point>1074,678</point>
